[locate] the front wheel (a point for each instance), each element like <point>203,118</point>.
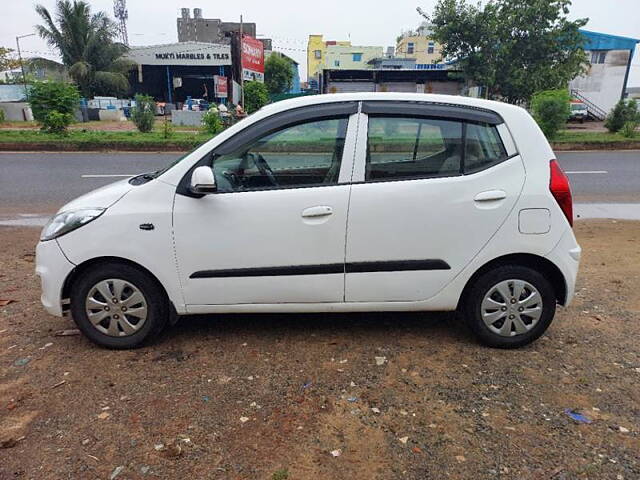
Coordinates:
<point>118,306</point>
<point>510,306</point>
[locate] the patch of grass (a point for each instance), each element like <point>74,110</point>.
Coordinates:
<point>92,139</point>
<point>571,136</point>
<point>282,474</point>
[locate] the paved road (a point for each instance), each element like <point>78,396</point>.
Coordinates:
<point>42,182</point>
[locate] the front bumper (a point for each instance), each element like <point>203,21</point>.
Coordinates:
<point>53,268</point>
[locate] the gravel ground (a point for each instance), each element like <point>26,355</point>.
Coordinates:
<point>303,397</point>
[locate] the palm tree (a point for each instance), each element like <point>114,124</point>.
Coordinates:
<point>86,43</point>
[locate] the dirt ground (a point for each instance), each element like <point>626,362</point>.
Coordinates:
<point>272,396</point>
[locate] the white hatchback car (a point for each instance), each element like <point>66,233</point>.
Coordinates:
<point>329,203</point>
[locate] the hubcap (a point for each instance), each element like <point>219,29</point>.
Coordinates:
<point>511,307</point>
<point>116,307</point>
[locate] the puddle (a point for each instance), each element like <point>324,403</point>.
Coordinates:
<point>617,211</point>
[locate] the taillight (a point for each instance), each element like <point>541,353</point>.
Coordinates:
<point>561,191</point>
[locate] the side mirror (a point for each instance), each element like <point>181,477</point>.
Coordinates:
<point>203,181</point>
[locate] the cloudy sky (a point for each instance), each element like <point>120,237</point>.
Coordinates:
<point>289,23</point>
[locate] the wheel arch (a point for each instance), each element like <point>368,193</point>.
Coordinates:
<point>79,270</point>
<point>535,262</point>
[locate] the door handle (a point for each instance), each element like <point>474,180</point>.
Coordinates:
<point>490,195</point>
<point>319,211</point>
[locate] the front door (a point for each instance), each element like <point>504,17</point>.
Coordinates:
<point>428,194</point>
<point>275,230</point>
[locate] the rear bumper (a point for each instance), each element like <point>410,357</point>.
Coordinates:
<point>53,268</point>
<point>566,256</point>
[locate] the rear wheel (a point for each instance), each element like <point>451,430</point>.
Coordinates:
<point>510,306</point>
<point>118,306</point>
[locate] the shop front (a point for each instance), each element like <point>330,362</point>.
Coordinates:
<point>175,72</point>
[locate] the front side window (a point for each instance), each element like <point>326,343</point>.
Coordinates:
<point>300,155</point>
<point>410,47</point>
<point>357,57</point>
<point>406,148</point>
<point>431,48</point>
<point>483,147</point>
<point>317,54</point>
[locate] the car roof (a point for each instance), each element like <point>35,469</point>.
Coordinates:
<point>310,100</point>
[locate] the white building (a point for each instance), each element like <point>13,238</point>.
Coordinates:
<point>605,82</point>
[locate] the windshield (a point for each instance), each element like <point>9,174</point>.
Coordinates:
<point>578,106</point>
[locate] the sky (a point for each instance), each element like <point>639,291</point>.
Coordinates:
<point>290,23</point>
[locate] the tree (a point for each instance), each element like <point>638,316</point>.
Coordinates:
<point>143,114</point>
<point>624,112</point>
<point>7,59</point>
<point>86,43</point>
<point>256,96</point>
<point>53,105</point>
<point>513,48</point>
<point>551,109</point>
<point>278,74</point>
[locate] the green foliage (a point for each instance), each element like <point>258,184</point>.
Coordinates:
<point>628,130</point>
<point>2,116</point>
<point>8,60</point>
<point>143,114</point>
<point>278,74</point>
<point>282,474</point>
<point>211,121</point>
<point>514,48</point>
<point>551,109</point>
<point>56,122</point>
<point>167,127</point>
<point>87,45</point>
<point>256,96</point>
<point>622,113</point>
<point>53,105</point>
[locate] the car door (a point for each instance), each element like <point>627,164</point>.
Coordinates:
<point>432,184</point>
<point>274,232</point>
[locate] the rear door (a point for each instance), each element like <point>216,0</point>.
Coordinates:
<point>431,185</point>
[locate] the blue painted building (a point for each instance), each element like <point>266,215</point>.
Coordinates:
<point>605,82</point>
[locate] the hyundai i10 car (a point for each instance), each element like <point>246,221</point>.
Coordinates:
<point>328,203</point>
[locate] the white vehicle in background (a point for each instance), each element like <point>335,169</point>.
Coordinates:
<point>328,203</point>
<point>579,111</point>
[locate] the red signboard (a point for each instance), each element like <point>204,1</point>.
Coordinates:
<point>220,84</point>
<point>252,58</point>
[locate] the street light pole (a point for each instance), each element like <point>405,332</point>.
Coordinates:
<point>24,78</point>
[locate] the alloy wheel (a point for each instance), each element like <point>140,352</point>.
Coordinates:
<point>511,307</point>
<point>116,307</point>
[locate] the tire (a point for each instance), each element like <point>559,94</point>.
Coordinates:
<point>511,327</point>
<point>125,280</point>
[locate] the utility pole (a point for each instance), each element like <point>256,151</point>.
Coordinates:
<point>241,66</point>
<point>24,78</point>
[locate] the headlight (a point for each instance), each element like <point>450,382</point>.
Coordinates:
<point>65,222</point>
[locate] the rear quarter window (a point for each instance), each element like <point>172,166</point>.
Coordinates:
<point>483,148</point>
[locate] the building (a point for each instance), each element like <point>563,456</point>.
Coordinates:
<point>337,55</point>
<point>209,30</point>
<point>419,44</point>
<point>173,72</point>
<point>605,82</point>
<point>391,80</point>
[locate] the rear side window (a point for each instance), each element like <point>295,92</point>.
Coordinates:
<point>405,148</point>
<point>483,147</point>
